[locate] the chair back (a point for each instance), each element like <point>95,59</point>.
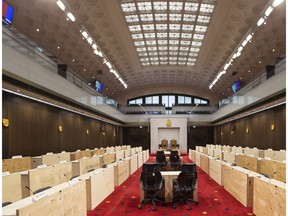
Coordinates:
<point>174,157</point>
<point>150,168</point>
<point>160,157</point>
<point>188,176</point>
<point>151,178</point>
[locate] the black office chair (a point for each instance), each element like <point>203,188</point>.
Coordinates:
<point>151,182</point>
<point>6,203</point>
<point>175,161</point>
<point>161,160</point>
<point>185,185</point>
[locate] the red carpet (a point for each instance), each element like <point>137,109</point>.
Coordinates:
<point>213,200</point>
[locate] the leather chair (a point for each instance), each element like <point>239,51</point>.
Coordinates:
<point>185,185</point>
<point>173,145</point>
<point>164,145</point>
<point>174,160</point>
<point>161,160</point>
<point>151,182</point>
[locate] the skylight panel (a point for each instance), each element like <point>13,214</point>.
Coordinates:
<point>193,54</point>
<point>182,59</point>
<point>149,35</point>
<point>183,53</point>
<point>163,48</point>
<point>174,27</point>
<point>186,35</point>
<point>189,18</point>
<point>173,48</point>
<point>146,64</point>
<point>173,63</point>
<point>194,49</point>
<point>163,62</point>
<point>142,54</point>
<point>128,7</point>
<point>184,42</point>
<point>160,6</point>
<point>149,27</point>
<point>163,53</point>
<point>132,18</point>
<point>155,63</point>
<point>139,43</point>
<point>144,59</point>
<point>184,48</point>
<point>200,28</point>
<point>142,49</point>
<point>172,58</point>
<point>146,17</point>
<point>206,8</point>
<point>187,27</point>
<point>137,36</point>
<point>191,6</point>
<point>161,17</point>
<point>175,6</point>
<point>174,35</point>
<point>135,28</point>
<point>190,63</point>
<point>152,48</point>
<point>151,42</point>
<point>144,6</point>
<point>174,17</point>
<point>153,54</point>
<point>181,63</point>
<point>173,53</point>
<point>203,19</point>
<point>162,42</point>
<point>163,58</point>
<point>162,35</point>
<point>198,36</point>
<point>154,59</point>
<point>174,42</point>
<point>197,44</point>
<point>161,27</point>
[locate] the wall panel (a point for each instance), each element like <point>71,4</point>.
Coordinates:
<point>136,136</point>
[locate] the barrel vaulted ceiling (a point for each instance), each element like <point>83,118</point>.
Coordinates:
<point>144,44</point>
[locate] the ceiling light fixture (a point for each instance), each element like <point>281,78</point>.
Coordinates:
<point>71,17</point>
<point>61,5</point>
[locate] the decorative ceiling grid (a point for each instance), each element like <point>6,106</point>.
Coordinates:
<point>167,33</point>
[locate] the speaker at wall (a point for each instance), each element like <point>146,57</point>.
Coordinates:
<point>62,68</point>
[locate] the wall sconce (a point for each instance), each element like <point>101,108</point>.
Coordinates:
<point>221,133</point>
<point>247,130</point>
<point>102,131</point>
<point>87,132</point>
<point>272,127</point>
<point>5,122</point>
<point>60,129</point>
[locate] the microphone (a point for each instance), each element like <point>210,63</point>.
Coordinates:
<point>30,190</point>
<point>66,176</point>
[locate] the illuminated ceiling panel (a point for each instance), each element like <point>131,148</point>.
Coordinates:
<point>167,32</point>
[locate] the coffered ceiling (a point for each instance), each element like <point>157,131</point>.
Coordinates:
<point>157,43</point>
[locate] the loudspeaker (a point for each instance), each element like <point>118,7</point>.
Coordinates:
<point>62,70</point>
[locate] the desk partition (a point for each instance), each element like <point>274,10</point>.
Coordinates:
<point>80,154</point>
<point>12,188</point>
<point>82,166</point>
<point>99,184</point>
<point>16,164</point>
<point>274,169</point>
<point>47,159</point>
<point>49,176</point>
<point>248,162</point>
<point>63,199</point>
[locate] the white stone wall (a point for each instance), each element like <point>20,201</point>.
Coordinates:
<point>160,130</point>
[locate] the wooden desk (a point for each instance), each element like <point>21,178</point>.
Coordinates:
<point>63,199</point>
<point>127,153</point>
<point>12,188</point>
<point>121,171</point>
<point>269,197</point>
<point>82,166</point>
<point>48,159</point>
<point>239,182</point>
<point>274,169</point>
<point>204,163</point>
<point>97,151</point>
<point>108,158</point>
<point>99,185</point>
<point>64,156</point>
<point>140,159</point>
<point>119,155</point>
<point>49,176</point>
<point>248,162</point>
<point>229,157</point>
<point>16,164</point>
<point>133,164</point>
<point>80,154</point>
<point>197,158</point>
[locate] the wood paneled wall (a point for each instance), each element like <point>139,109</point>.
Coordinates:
<point>33,129</point>
<point>255,130</point>
<point>136,136</point>
<point>200,136</point>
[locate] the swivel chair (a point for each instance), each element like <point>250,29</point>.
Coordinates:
<point>164,145</point>
<point>161,160</point>
<point>174,160</point>
<point>185,185</point>
<point>151,182</point>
